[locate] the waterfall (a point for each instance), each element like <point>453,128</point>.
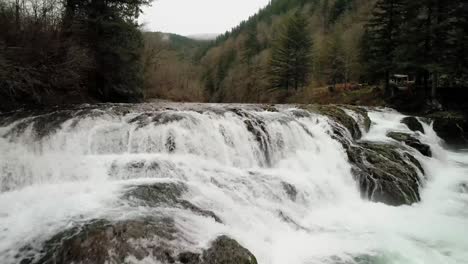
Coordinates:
<point>279,181</point>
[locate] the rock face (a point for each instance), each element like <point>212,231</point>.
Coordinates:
<point>164,194</point>
<point>413,124</point>
<point>338,115</point>
<point>154,237</point>
<point>118,242</point>
<point>451,127</point>
<point>411,141</point>
<point>225,250</point>
<point>385,173</point>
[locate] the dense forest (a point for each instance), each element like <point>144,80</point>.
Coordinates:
<point>55,52</point>
<point>298,51</point>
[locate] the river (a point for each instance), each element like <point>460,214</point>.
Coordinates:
<point>284,190</point>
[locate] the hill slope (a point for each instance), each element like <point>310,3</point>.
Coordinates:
<point>233,67</point>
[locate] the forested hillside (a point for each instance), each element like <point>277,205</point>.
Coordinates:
<point>237,66</point>
<point>297,50</point>
<point>71,51</point>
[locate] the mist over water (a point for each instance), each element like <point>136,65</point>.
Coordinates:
<point>280,183</point>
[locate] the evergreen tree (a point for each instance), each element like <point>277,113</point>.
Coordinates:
<point>109,29</point>
<point>291,55</point>
<point>383,37</point>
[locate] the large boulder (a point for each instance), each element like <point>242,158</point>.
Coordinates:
<point>413,124</point>
<point>130,241</point>
<point>411,141</point>
<point>225,250</point>
<point>152,237</point>
<point>452,127</point>
<point>385,173</point>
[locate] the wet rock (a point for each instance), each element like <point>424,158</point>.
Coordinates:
<point>155,238</point>
<point>290,190</point>
<point>189,258</point>
<point>385,174</point>
<point>452,127</point>
<point>363,115</point>
<point>338,115</point>
<point>413,124</point>
<point>164,194</point>
<point>411,141</point>
<point>225,250</point>
<point>102,241</point>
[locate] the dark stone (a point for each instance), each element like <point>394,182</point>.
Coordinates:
<point>189,258</point>
<point>164,194</point>
<point>413,124</point>
<point>102,241</point>
<point>411,141</point>
<point>364,115</point>
<point>384,174</point>
<point>452,127</point>
<point>339,116</point>
<point>225,250</point>
<point>290,190</point>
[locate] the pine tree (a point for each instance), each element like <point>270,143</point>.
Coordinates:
<point>291,55</point>
<point>383,37</point>
<point>110,30</point>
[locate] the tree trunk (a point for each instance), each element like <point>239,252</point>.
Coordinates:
<point>435,84</point>
<point>387,83</point>
<point>17,14</point>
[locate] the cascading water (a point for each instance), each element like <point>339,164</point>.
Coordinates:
<point>280,184</point>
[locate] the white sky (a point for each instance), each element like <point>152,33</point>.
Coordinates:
<point>188,17</point>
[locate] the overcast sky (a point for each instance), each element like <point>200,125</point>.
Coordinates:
<point>188,17</point>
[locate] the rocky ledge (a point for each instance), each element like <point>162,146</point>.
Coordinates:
<point>387,173</point>
<point>153,238</point>
<point>452,127</point>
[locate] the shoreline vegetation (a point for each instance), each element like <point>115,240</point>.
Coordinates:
<point>292,51</point>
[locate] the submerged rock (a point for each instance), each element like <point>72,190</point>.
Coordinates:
<point>164,194</point>
<point>411,141</point>
<point>413,124</point>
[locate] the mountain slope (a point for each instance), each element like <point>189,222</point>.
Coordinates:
<point>234,67</point>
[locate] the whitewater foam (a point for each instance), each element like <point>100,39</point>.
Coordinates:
<point>280,183</point>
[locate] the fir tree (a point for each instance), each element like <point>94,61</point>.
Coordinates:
<point>383,36</point>
<point>291,55</point>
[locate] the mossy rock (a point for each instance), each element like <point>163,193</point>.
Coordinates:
<point>385,173</point>
<point>413,124</point>
<point>105,242</point>
<point>339,116</point>
<point>363,114</point>
<point>102,241</point>
<point>411,141</point>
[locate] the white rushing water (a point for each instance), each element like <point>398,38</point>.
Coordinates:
<point>78,171</point>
